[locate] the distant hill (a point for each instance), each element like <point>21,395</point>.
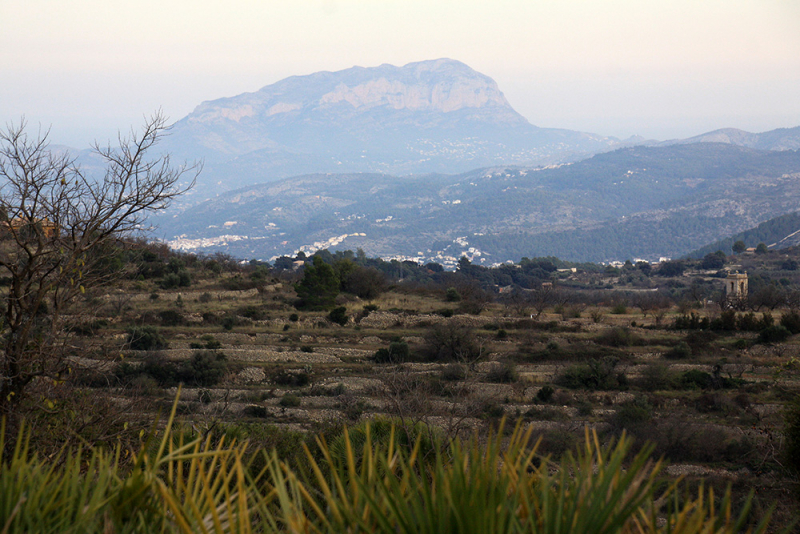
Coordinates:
<point>779,232</point>
<point>780,139</point>
<point>638,202</point>
<point>430,116</point>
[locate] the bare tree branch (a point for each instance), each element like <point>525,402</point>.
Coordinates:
<point>57,228</point>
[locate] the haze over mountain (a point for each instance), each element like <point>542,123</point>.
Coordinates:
<point>430,116</point>
<point>779,139</point>
<point>638,202</point>
<point>381,156</point>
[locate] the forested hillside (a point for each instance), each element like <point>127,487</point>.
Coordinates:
<point>632,203</point>
<point>779,232</point>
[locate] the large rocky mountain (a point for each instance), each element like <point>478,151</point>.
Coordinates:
<point>637,202</point>
<point>383,158</point>
<point>430,116</point>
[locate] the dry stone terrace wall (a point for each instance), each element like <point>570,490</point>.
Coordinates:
<point>345,385</point>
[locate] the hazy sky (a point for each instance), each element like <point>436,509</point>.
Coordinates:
<point>662,69</point>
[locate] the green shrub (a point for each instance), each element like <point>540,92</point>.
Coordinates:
<point>617,337</point>
<point>146,338</point>
<point>741,344</point>
<point>748,322</point>
<point>294,317</point>
<point>545,413</point>
<point>726,321</point>
<point>451,342</point>
<point>716,402</point>
<point>585,407</point>
<point>319,287</point>
<point>338,315</point>
<point>171,317</point>
<point>255,411</point>
<point>452,295</point>
<point>791,430</point>
<point>210,318</point>
<point>503,373</point>
<point>766,320</point>
<point>211,343</point>
<point>545,393</point>
<point>376,477</point>
<point>619,309</point>
<point>595,374</point>
<point>87,328</point>
<point>692,321</point>
<point>774,334</point>
<point>681,351</point>
<point>291,378</point>
<point>658,376</point>
<point>791,321</point>
<point>398,352</point>
<point>289,401</point>
<point>632,414</point>
<point>228,322</point>
<point>351,406</point>
<point>453,372</point>
<point>700,340</point>
<point>696,379</point>
<point>181,278</point>
<point>255,313</point>
<point>238,283</point>
<point>205,368</point>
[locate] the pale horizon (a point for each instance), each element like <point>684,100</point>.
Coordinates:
<point>87,69</point>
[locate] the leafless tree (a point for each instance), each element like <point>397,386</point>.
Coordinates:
<point>517,301</point>
<point>58,229</point>
<point>654,303</point>
<point>547,295</point>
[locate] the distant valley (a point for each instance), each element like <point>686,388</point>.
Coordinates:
<point>639,202</point>
<point>430,162</point>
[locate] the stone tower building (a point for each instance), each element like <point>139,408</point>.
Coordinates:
<point>736,287</point>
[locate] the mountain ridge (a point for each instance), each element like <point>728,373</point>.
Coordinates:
<point>777,139</point>
<point>638,202</point>
<point>428,116</point>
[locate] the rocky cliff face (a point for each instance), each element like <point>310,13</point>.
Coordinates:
<point>430,116</point>
<point>440,86</point>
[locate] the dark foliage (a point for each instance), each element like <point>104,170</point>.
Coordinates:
<point>171,317</point>
<point>398,352</point>
<point>774,334</point>
<point>146,338</point>
<point>286,377</point>
<point>595,374</point>
<point>681,351</point>
<point>451,342</point>
<point>338,315</point>
<point>318,288</point>
<point>791,321</point>
<point>503,373</point>
<point>545,393</point>
<point>204,369</point>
